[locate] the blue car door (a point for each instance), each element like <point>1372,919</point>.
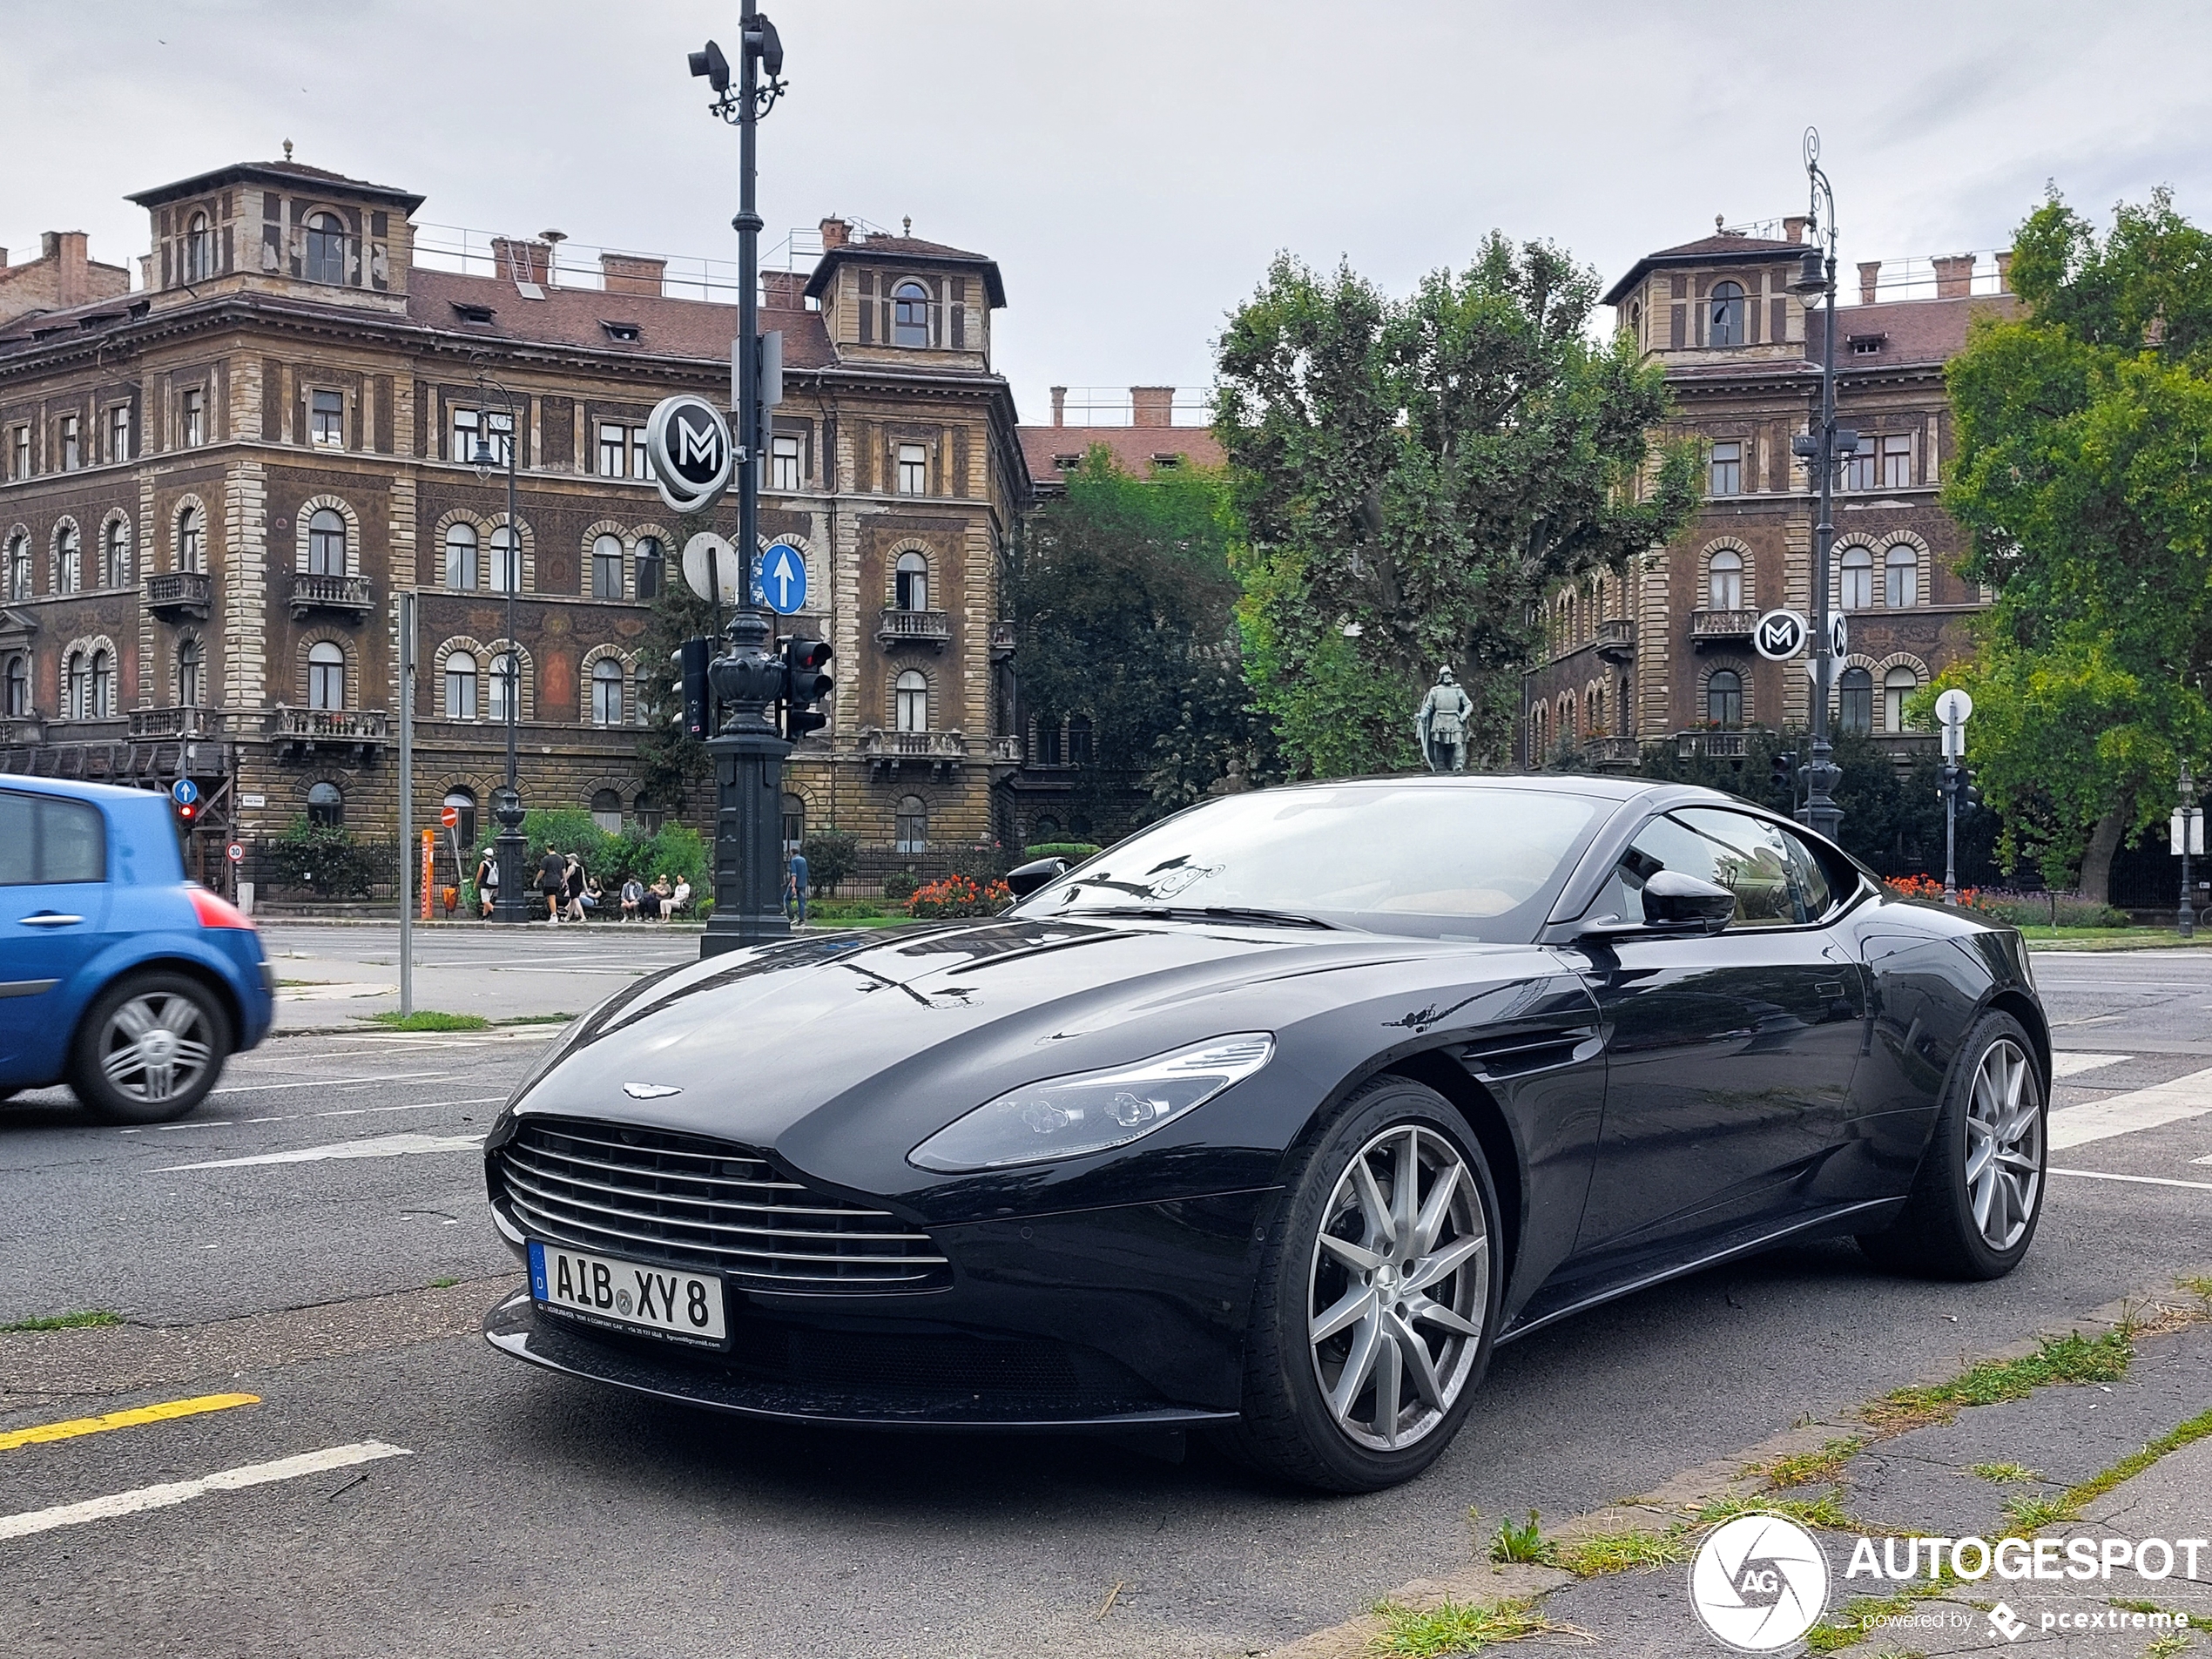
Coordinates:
<point>53,915</point>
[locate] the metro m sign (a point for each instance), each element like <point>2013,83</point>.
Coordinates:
<point>687,445</point>
<point>1778,635</point>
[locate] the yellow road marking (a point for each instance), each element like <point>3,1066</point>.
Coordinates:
<point>167,1409</point>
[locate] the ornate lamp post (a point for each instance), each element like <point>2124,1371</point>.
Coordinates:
<point>2188,835</point>
<point>507,799</point>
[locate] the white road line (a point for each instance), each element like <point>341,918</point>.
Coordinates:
<point>2148,1180</point>
<point>382,1146</point>
<point>369,1112</point>
<point>176,1492</point>
<point>326,1082</point>
<point>2136,1109</point>
<point>2065,1064</point>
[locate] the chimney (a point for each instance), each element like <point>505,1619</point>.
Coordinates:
<point>1793,229</point>
<point>1870,272</point>
<point>1152,405</point>
<point>66,249</point>
<point>1060,405</point>
<point>2004,272</point>
<point>835,233</point>
<point>519,261</point>
<point>1954,276</point>
<point>782,290</point>
<point>631,273</point>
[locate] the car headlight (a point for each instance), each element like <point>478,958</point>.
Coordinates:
<point>1091,1111</point>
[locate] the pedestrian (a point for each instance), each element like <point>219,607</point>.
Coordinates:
<point>679,901</point>
<point>552,876</point>
<point>595,897</point>
<point>487,884</point>
<point>572,888</point>
<point>633,896</point>
<point>657,898</point>
<point>795,889</point>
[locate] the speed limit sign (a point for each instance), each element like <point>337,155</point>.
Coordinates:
<point>235,852</point>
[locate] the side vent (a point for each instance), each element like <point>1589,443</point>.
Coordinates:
<point>1515,1053</point>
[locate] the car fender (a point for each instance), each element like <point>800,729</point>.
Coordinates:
<point>129,953</point>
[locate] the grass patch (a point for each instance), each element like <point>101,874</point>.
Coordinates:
<point>1808,1468</point>
<point>2196,1285</point>
<point>444,1284</point>
<point>2070,1359</point>
<point>2135,1463</point>
<point>1517,1543</point>
<point>537,1019</point>
<point>1620,1552</point>
<point>2110,938</point>
<point>1460,1627</point>
<point>1853,1622</point>
<point>1824,1511</point>
<point>429,1020</point>
<point>2166,1647</point>
<point>2003,1474</point>
<point>2029,1516</point>
<point>89,1317</point>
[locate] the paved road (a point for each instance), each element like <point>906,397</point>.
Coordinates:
<point>315,1237</point>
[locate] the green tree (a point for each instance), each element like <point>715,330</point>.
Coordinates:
<point>2084,472</point>
<point>1414,475</point>
<point>832,856</point>
<point>671,764</point>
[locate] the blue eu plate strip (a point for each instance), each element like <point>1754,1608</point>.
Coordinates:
<point>537,1270</point>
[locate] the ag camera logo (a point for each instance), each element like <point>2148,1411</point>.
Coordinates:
<point>1759,1583</point>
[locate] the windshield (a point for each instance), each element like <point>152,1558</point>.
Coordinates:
<point>1440,860</point>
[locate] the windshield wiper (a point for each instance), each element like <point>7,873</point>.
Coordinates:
<point>1208,913</point>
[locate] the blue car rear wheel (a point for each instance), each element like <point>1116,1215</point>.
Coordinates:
<point>150,1047</point>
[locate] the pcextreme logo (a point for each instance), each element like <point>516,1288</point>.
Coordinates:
<point>1759,1583</point>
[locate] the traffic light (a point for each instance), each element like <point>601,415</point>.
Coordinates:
<point>692,658</point>
<point>187,814</point>
<point>1969,797</point>
<point>1785,771</point>
<point>807,682</point>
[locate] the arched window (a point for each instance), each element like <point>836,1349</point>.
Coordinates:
<point>1901,571</point>
<point>649,567</point>
<point>1859,578</point>
<point>912,698</point>
<point>506,675</point>
<point>1079,740</point>
<point>506,559</point>
<point>606,811</point>
<point>115,555</point>
<point>325,675</point>
<point>1725,698</point>
<point>913,826</point>
<point>18,695</point>
<point>463,802</point>
<point>461,555</point>
<point>1049,752</point>
<point>1596,706</point>
<point>1568,723</point>
<point>325,249</point>
<point>1728,315</point>
<point>69,561</point>
<point>606,568</point>
<point>794,824</point>
<point>606,692</point>
<point>327,542</point>
<point>192,540</point>
<point>326,806</point>
<point>910,314</point>
<point>1897,684</point>
<point>101,689</point>
<point>76,691</point>
<point>910,581</point>
<point>1725,581</point>
<point>1854,697</point>
<point>200,250</point>
<point>1047,831</point>
<point>191,666</point>
<point>461,692</point>
<point>19,566</point>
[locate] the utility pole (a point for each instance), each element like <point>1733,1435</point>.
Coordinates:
<point>507,799</point>
<point>2188,840</point>
<point>406,801</point>
<point>1953,709</point>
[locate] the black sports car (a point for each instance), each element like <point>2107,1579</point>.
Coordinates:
<point>1272,1119</point>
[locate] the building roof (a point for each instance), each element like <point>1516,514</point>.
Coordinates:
<point>1914,331</point>
<point>578,317</point>
<point>905,250</point>
<point>1132,447</point>
<point>1722,249</point>
<point>289,174</point>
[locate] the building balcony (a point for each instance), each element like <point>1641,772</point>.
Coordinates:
<point>155,725</point>
<point>22,730</point>
<point>1721,627</point>
<point>296,734</point>
<point>343,596</point>
<point>1001,641</point>
<point>1720,745</point>
<point>175,595</point>
<point>1610,752</point>
<point>931,627</point>
<point>1616,639</point>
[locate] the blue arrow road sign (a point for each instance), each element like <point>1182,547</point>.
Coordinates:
<point>183,792</point>
<point>781,585</point>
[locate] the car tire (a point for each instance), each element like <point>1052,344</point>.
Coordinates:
<point>1978,1194</point>
<point>150,1048</point>
<point>1300,1421</point>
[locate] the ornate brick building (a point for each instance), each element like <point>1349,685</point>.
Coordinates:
<point>1666,654</point>
<point>212,488</point>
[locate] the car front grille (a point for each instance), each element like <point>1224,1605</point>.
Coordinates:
<point>691,1201</point>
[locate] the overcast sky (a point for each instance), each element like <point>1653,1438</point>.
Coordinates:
<point>1131,166</point>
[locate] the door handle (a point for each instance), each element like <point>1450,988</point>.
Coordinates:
<point>50,918</point>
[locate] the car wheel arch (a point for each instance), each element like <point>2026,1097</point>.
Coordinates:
<point>2022,1008</point>
<point>198,973</point>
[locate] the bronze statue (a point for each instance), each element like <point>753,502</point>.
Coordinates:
<point>1442,724</point>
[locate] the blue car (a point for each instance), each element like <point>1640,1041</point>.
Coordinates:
<point>116,974</point>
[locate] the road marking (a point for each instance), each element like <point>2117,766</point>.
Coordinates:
<point>382,1146</point>
<point>2066,1064</point>
<point>168,1408</point>
<point>368,1112</point>
<point>326,1082</point>
<point>2094,1018</point>
<point>2136,1109</point>
<point>2148,1180</point>
<point>176,1492</point>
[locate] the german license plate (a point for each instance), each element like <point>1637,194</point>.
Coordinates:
<point>628,1296</point>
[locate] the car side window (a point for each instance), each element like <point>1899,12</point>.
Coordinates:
<point>18,840</point>
<point>1753,859</point>
<point>1811,875</point>
<point>45,839</point>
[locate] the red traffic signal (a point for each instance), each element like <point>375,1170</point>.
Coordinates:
<point>807,682</point>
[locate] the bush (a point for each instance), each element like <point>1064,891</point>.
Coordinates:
<point>676,851</point>
<point>982,862</point>
<point>832,855</point>
<point>899,887</point>
<point>322,859</point>
<point>845,910</point>
<point>2046,910</point>
<point>957,896</point>
<point>1074,852</point>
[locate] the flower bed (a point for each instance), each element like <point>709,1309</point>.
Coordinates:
<point>957,896</point>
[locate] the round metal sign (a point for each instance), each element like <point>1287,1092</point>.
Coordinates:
<point>234,853</point>
<point>781,585</point>
<point>688,446</point>
<point>449,817</point>
<point>711,562</point>
<point>1954,707</point>
<point>1838,635</point>
<point>183,792</point>
<point>1780,635</point>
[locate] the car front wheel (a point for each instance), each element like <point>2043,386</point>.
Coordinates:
<point>150,1047</point>
<point>1377,1297</point>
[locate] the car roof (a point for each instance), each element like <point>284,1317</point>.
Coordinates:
<point>1602,786</point>
<point>76,790</point>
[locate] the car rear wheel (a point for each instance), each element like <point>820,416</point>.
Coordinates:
<point>150,1047</point>
<point>1377,1297</point>
<point>1978,1194</point>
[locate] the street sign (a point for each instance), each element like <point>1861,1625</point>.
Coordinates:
<point>1780,635</point>
<point>688,447</point>
<point>1838,635</point>
<point>708,561</point>
<point>782,586</point>
<point>1954,707</point>
<point>449,817</point>
<point>183,792</point>
<point>2188,837</point>
<point>234,853</point>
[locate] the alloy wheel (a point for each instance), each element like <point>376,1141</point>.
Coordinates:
<point>155,1046</point>
<point>2004,1144</point>
<point>1398,1287</point>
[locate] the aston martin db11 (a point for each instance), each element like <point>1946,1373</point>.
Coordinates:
<point>1271,1120</point>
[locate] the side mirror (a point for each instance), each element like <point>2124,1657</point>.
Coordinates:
<point>1025,879</point>
<point>1673,899</point>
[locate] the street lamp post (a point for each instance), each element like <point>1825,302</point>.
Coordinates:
<point>507,799</point>
<point>2187,819</point>
<point>1821,447</point>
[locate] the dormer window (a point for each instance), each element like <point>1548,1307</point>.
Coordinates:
<point>472,314</point>
<point>200,250</point>
<point>325,249</point>
<point>1867,344</point>
<point>910,314</point>
<point>1067,463</point>
<point>625,331</point>
<point>1727,327</point>
<point>1166,462</point>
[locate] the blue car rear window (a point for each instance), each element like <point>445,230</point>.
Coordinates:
<point>45,839</point>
